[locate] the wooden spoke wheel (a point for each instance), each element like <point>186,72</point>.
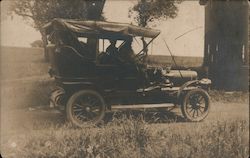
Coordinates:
<point>196,105</point>
<point>85,107</point>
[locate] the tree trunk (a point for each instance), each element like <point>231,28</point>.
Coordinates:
<point>45,42</point>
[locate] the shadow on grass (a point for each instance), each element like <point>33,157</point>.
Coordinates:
<point>151,117</point>
<point>45,119</point>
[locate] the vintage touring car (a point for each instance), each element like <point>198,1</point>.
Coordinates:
<point>91,82</point>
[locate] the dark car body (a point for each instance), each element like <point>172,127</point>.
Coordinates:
<point>78,66</point>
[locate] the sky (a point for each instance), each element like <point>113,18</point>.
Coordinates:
<point>16,32</point>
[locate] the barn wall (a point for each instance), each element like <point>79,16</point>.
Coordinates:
<point>226,43</point>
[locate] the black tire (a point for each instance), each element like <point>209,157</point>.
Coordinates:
<point>196,105</point>
<point>85,108</point>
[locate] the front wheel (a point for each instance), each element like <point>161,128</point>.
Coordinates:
<point>196,105</point>
<point>85,107</point>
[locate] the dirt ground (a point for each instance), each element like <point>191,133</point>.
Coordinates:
<point>25,119</point>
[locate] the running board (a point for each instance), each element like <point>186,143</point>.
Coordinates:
<point>142,106</point>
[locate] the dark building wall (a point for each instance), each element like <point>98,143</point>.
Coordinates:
<point>226,50</point>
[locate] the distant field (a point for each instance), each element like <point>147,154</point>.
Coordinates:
<point>25,62</point>
<point>24,78</point>
<point>180,60</point>
<point>19,63</point>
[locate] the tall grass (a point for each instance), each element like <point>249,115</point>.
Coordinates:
<point>229,97</point>
<point>132,137</point>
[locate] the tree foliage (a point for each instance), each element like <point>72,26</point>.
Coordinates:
<point>43,11</point>
<point>148,10</point>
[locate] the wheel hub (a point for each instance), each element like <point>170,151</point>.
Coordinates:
<point>87,109</point>
<point>195,103</point>
<point>196,107</point>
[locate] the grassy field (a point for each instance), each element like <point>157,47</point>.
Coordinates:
<point>28,130</point>
<point>133,137</point>
<point>19,63</point>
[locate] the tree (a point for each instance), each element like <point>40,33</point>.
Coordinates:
<point>43,11</point>
<point>150,10</point>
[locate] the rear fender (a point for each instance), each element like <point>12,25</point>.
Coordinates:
<point>60,96</point>
<point>56,98</point>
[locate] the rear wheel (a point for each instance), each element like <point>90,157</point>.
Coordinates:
<point>84,108</point>
<point>196,105</point>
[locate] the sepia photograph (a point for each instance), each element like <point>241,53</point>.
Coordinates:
<point>124,78</point>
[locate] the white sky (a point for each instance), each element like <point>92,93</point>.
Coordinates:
<point>15,32</point>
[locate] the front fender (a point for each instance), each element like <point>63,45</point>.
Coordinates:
<point>203,83</point>
<point>189,83</point>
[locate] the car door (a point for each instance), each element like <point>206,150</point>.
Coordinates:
<point>118,77</point>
